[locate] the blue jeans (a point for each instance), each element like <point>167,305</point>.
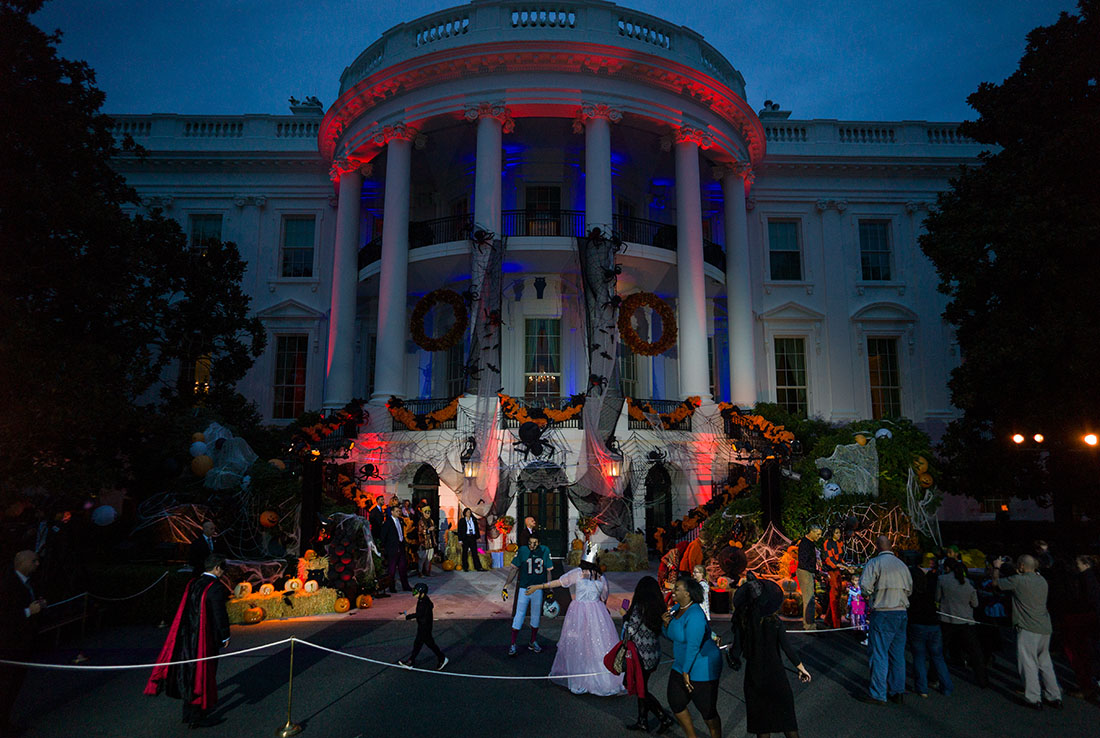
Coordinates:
<point>886,640</point>
<point>522,603</point>
<point>926,641</point>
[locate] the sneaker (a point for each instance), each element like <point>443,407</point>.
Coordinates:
<point>405,662</point>
<point>443,664</point>
<point>1054,704</point>
<point>863,642</point>
<point>512,650</point>
<point>868,699</point>
<point>535,647</point>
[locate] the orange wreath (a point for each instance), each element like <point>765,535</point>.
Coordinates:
<point>639,409</point>
<point>541,417</point>
<point>454,333</point>
<point>630,336</point>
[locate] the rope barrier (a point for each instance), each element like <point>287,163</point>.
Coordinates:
<point>965,620</point>
<point>109,599</point>
<point>824,630</point>
<point>124,667</point>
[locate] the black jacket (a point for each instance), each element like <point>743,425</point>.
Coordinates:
<point>391,539</point>
<point>197,553</point>
<point>460,531</point>
<point>423,614</point>
<point>807,555</point>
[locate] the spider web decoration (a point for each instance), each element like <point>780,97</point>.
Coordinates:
<point>864,523</point>
<point>922,510</point>
<point>855,468</point>
<point>764,555</point>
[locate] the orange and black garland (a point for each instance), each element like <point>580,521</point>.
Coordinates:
<point>541,417</point>
<point>777,435</point>
<point>454,333</point>
<point>305,437</point>
<point>421,421</point>
<point>639,409</point>
<point>698,515</point>
<point>630,336</point>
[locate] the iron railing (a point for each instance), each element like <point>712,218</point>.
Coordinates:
<point>543,223</point>
<point>714,255</point>
<point>421,407</point>
<point>660,406</point>
<point>645,232</point>
<point>555,403</point>
<point>439,230</point>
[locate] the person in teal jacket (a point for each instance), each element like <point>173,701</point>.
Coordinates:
<point>697,663</point>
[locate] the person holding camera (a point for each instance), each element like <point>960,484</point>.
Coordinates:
<point>1032,623</point>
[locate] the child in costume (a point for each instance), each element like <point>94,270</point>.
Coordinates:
<point>424,619</point>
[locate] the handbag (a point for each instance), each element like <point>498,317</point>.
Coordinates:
<point>615,659</point>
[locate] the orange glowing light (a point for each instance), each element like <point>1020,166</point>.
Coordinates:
<point>1038,438</point>
<point>1004,508</point>
<point>1017,438</point>
<point>1090,439</point>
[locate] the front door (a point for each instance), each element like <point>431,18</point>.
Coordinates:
<point>548,507</point>
<point>658,502</point>
<point>425,488</point>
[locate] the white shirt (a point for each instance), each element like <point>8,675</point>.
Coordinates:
<point>27,584</point>
<point>400,527</point>
<point>471,527</point>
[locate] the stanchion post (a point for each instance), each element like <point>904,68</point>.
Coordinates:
<point>164,604</point>
<point>291,727</point>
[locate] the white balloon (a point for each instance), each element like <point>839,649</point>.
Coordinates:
<point>104,515</point>
<point>883,433</point>
<point>198,448</point>
<point>832,489</point>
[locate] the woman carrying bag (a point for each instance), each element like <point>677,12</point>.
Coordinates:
<point>642,627</point>
<point>697,662</point>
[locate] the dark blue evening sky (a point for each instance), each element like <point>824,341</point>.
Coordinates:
<point>851,60</point>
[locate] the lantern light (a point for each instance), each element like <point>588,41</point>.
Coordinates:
<point>470,462</point>
<point>1017,438</point>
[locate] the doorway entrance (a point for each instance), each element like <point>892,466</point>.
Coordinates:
<point>542,495</point>
<point>658,502</point>
<point>425,487</point>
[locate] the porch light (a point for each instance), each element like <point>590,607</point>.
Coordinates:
<point>614,468</point>
<point>471,464</point>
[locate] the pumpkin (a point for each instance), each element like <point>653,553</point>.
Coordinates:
<point>266,589</point>
<point>311,586</point>
<point>200,465</point>
<point>925,480</point>
<point>253,615</point>
<point>861,439</point>
<point>511,547</point>
<point>920,464</point>
<point>198,437</point>
<point>578,544</point>
<point>363,602</point>
<point>243,589</point>
<point>448,565</point>
<point>293,584</point>
<point>792,607</point>
<point>343,604</point>
<point>269,518</point>
<point>309,555</point>
<point>278,464</point>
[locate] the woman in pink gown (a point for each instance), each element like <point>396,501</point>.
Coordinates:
<point>588,632</point>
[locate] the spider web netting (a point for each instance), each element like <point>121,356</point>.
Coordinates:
<point>764,555</point>
<point>922,509</point>
<point>355,530</point>
<point>864,523</point>
<point>855,468</point>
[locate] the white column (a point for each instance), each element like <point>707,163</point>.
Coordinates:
<point>735,180</point>
<point>389,373</point>
<point>339,365</point>
<point>493,121</point>
<point>691,289</point>
<point>596,121</point>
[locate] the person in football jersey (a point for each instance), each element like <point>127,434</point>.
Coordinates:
<point>533,565</point>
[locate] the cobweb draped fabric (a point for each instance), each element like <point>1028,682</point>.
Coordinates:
<point>855,468</point>
<point>922,509</point>
<point>763,556</point>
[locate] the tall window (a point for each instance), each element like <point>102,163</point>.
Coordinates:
<point>874,250</point>
<point>456,380</point>
<point>204,228</point>
<point>543,207</point>
<point>290,376</point>
<point>542,358</point>
<point>628,371</point>
<point>712,363</point>
<point>372,346</point>
<point>882,357</point>
<point>194,377</point>
<point>298,233</point>
<point>790,375</point>
<point>784,251</point>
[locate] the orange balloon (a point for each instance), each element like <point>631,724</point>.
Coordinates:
<point>200,465</point>
<point>198,437</point>
<point>278,464</point>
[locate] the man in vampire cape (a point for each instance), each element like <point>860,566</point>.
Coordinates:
<point>199,630</point>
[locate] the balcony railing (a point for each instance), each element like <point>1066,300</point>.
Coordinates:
<point>371,252</point>
<point>420,407</point>
<point>714,255</point>
<point>439,230</point>
<point>645,232</point>
<point>554,403</point>
<point>660,406</point>
<point>543,223</point>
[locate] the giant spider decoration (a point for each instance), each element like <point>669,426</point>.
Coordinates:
<point>596,381</point>
<point>609,275</point>
<point>470,296</point>
<point>531,441</point>
<point>482,238</point>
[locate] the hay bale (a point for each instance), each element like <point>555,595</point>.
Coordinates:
<point>277,607</point>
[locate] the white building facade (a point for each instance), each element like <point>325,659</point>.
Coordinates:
<point>786,248</point>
